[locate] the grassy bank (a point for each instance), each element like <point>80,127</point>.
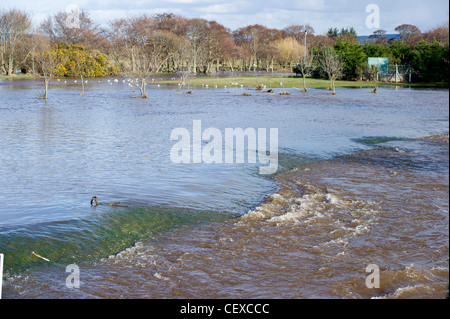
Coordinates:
<point>270,81</point>
<point>284,82</point>
<point>18,76</point>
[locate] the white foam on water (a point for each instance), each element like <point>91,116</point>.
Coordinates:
<point>161,277</point>
<point>140,254</point>
<point>407,292</point>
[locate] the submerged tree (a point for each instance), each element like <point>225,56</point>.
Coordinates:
<point>48,65</point>
<point>373,73</point>
<point>305,65</point>
<point>185,76</point>
<point>331,64</point>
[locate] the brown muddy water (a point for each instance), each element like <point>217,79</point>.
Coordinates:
<point>358,185</point>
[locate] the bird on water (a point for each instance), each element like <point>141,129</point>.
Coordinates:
<point>94,200</point>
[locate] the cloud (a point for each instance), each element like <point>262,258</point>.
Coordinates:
<point>224,8</point>
<point>302,5</point>
<point>187,1</point>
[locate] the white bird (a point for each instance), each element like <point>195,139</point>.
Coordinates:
<point>59,80</point>
<point>109,80</point>
<point>115,80</point>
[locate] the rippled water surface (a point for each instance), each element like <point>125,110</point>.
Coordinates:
<point>355,186</point>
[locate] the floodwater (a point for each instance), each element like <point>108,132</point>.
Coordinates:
<point>357,185</point>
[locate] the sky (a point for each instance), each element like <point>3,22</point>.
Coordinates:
<point>233,14</point>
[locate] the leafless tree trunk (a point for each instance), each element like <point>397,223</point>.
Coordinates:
<point>332,66</point>
<point>149,60</point>
<point>13,26</point>
<point>305,65</point>
<point>46,61</point>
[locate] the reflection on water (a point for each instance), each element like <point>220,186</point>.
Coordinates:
<point>352,189</point>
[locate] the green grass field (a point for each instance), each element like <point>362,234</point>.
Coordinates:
<point>270,81</point>
<point>18,76</point>
<point>283,82</point>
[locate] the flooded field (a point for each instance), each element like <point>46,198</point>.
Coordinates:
<point>357,185</point>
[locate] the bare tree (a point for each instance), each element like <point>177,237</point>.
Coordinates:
<point>408,31</point>
<point>13,27</point>
<point>305,65</point>
<point>47,62</point>
<point>185,76</point>
<point>124,40</point>
<point>297,31</point>
<point>116,42</point>
<point>249,38</point>
<point>218,45</point>
<point>149,48</point>
<point>59,27</point>
<point>196,30</point>
<point>257,41</point>
<point>143,69</point>
<point>181,53</point>
<point>439,33</point>
<point>331,64</point>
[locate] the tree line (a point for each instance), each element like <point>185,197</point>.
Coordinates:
<point>147,44</point>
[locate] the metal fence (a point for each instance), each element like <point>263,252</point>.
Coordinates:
<point>396,73</point>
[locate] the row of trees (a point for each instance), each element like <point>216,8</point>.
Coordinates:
<point>143,45</point>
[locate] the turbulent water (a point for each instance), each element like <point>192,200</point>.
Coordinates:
<point>358,184</point>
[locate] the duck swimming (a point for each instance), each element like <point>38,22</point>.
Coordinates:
<point>94,199</point>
